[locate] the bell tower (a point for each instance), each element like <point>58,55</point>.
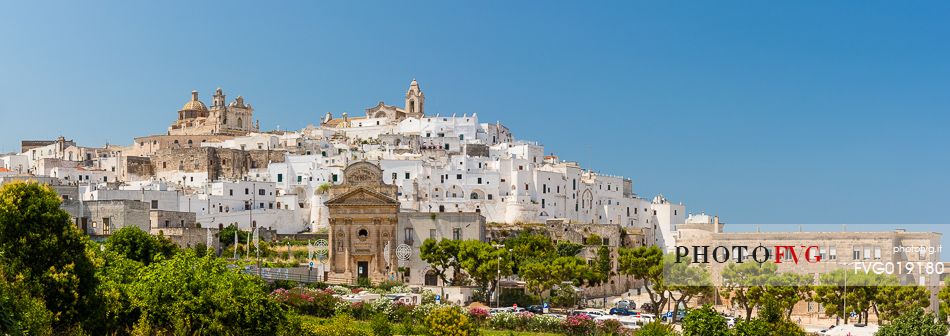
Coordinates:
<point>415,100</point>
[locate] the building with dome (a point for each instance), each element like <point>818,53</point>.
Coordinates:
<point>195,118</point>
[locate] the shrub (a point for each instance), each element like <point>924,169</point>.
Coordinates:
<point>578,325</point>
<point>341,325</point>
<point>320,303</point>
<point>285,284</point>
<point>449,321</point>
<point>609,327</point>
<point>479,314</point>
<point>380,325</point>
<point>360,310</point>
<point>658,328</point>
<point>914,322</point>
<point>400,311</point>
<point>704,322</point>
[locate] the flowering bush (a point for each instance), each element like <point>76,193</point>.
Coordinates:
<point>424,310</point>
<point>340,290</point>
<point>318,303</point>
<point>479,314</point>
<point>400,311</point>
<point>541,323</point>
<point>609,327</point>
<point>578,325</point>
<point>360,311</point>
<point>449,321</point>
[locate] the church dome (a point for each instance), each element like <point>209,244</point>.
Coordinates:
<point>194,104</point>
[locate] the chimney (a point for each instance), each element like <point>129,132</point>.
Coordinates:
<point>716,224</point>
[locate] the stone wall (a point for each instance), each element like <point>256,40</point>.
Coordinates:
<point>160,219</point>
<point>217,163</point>
<point>137,167</point>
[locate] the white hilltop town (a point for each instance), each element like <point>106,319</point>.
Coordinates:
<point>373,186</point>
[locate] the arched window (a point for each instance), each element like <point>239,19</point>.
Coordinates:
<point>412,106</point>
<point>240,122</point>
<point>474,196</point>
<point>363,234</point>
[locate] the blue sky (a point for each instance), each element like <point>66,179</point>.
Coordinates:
<point>761,112</point>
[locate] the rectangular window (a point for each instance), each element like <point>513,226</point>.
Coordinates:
<point>299,178</point>
<point>154,204</point>
<point>856,253</point>
<point>280,177</point>
<point>479,180</point>
<point>877,253</point>
<point>407,235</point>
<point>458,176</point>
<point>867,252</point>
<point>832,253</point>
<point>260,192</point>
<point>247,191</point>
<point>334,177</point>
<point>457,234</point>
<point>407,175</point>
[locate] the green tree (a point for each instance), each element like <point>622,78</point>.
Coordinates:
<point>132,243</point>
<point>704,321</point>
<point>39,244</point>
<point>191,295</point>
<point>915,322</point>
<point>483,263</point>
<point>541,277</point>
<point>20,312</point>
<point>858,289</point>
<point>603,264</point>
<point>944,298</point>
<point>528,247</point>
<point>441,255</point>
<point>744,283</point>
<point>568,249</point>
<point>226,236</point>
<point>684,281</point>
<point>893,301</point>
<point>646,263</point>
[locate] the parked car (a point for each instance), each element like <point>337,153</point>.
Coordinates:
<point>626,304</point>
<point>679,316</point>
<point>621,311</point>
<point>537,309</point>
<point>589,312</point>
<point>517,310</point>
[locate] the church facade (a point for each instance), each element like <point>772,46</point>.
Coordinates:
<point>363,215</point>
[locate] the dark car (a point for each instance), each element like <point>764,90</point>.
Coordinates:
<point>621,311</point>
<point>537,309</point>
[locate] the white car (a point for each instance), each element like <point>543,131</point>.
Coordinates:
<point>730,321</point>
<point>590,312</point>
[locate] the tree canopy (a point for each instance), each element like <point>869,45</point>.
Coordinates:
<point>39,244</point>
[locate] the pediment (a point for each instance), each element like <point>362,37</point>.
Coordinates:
<point>361,196</point>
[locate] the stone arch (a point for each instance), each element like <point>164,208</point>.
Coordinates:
<point>477,194</point>
<point>455,192</point>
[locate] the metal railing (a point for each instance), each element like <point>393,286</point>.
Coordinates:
<point>300,274</point>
